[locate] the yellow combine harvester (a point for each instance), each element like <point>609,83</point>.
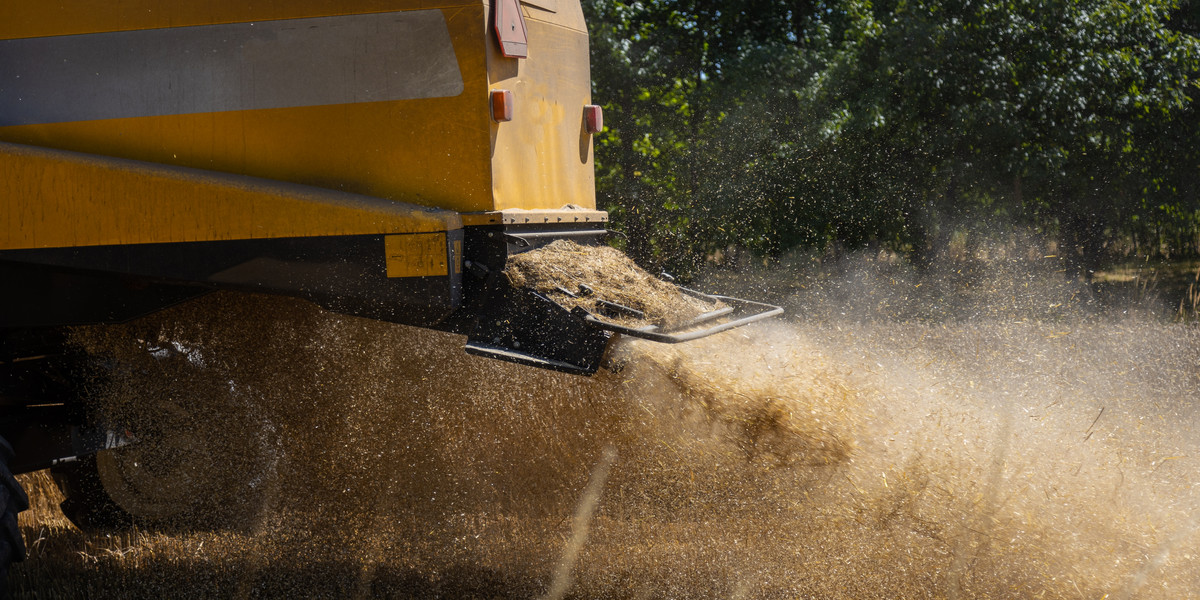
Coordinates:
<point>381,158</point>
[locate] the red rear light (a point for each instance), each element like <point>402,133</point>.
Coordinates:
<point>593,118</point>
<point>502,105</point>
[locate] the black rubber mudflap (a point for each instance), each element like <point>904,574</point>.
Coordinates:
<point>525,327</point>
<point>12,501</point>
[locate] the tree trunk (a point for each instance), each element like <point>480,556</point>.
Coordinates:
<point>1081,237</point>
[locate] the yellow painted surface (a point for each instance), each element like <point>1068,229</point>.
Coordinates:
<point>34,18</point>
<point>433,152</point>
<point>344,147</point>
<point>440,152</point>
<point>542,159</point>
<point>62,199</point>
<point>416,255</point>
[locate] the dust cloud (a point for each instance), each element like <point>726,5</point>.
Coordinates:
<point>1014,453</point>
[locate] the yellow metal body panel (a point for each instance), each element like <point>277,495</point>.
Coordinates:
<point>444,152</point>
<point>432,151</point>
<point>60,199</point>
<point>543,157</point>
<point>320,146</point>
<point>70,17</point>
<point>419,255</point>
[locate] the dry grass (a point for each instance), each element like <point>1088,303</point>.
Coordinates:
<point>612,276</point>
<point>835,460</point>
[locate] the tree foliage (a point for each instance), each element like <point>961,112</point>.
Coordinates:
<point>772,124</point>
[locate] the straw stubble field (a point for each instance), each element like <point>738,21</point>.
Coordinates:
<point>993,457</point>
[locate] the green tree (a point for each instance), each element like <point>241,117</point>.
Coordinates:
<point>690,91</point>
<point>771,125</point>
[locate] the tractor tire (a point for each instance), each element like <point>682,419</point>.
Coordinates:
<point>87,504</point>
<point>182,482</point>
<point>202,462</point>
<point>204,450</point>
<point>12,501</point>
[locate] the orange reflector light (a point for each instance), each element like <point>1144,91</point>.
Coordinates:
<point>502,105</point>
<point>593,118</point>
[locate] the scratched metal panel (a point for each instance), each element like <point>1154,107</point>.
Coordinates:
<point>233,67</point>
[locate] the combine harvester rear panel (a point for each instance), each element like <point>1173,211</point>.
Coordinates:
<point>381,158</point>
